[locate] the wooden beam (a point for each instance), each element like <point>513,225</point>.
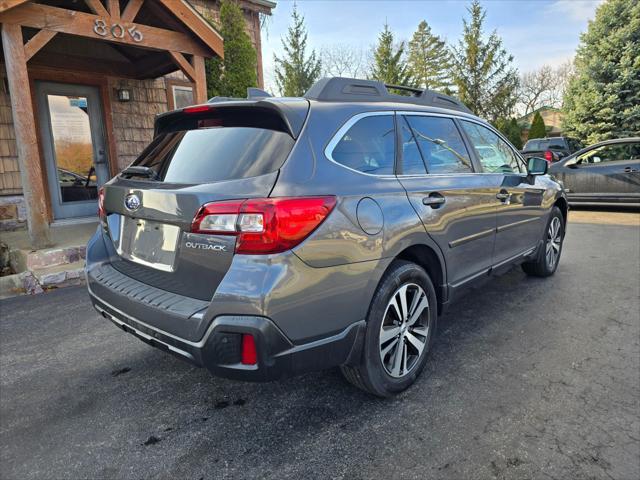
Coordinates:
<point>7,4</point>
<point>131,10</point>
<point>38,41</point>
<point>44,17</point>
<point>196,23</point>
<point>258,34</point>
<point>96,7</point>
<point>184,65</point>
<point>33,179</point>
<point>200,94</point>
<point>114,9</point>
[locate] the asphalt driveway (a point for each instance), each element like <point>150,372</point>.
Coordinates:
<point>528,378</point>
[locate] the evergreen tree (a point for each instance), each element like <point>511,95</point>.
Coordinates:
<point>388,60</point>
<point>429,60</point>
<point>515,134</point>
<point>482,71</point>
<point>296,72</point>
<point>603,97</point>
<point>231,77</point>
<point>538,128</point>
<point>511,130</point>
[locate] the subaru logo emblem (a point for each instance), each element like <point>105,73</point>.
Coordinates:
<point>132,202</point>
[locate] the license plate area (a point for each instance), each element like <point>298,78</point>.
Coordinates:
<point>149,243</point>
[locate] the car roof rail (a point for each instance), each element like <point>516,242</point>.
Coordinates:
<point>340,89</point>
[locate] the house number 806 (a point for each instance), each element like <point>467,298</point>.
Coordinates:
<point>116,30</point>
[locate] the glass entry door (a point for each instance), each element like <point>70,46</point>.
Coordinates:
<point>72,128</point>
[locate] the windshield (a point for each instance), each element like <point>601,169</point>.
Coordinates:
<point>207,155</point>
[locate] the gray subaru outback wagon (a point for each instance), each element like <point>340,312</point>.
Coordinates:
<point>265,237</point>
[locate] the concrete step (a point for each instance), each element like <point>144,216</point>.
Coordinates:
<point>48,257</point>
<point>57,276</point>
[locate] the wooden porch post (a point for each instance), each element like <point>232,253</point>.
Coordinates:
<point>200,79</point>
<point>33,181</point>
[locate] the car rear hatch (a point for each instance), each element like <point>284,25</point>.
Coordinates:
<point>200,154</point>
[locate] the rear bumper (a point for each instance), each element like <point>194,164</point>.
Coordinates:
<point>219,349</point>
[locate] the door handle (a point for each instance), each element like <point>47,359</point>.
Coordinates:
<point>503,196</point>
<point>434,200</point>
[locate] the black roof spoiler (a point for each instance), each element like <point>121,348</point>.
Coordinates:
<point>341,89</point>
<point>293,111</point>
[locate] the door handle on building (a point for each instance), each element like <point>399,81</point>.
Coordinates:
<point>434,200</point>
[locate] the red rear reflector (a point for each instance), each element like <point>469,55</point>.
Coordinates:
<point>264,225</point>
<point>249,354</point>
<point>101,213</point>
<point>548,156</point>
<point>197,109</point>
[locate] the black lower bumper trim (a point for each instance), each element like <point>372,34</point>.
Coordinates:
<point>219,352</point>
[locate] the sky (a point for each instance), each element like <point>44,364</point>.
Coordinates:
<point>535,32</point>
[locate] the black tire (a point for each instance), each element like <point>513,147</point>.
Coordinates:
<point>541,266</point>
<point>372,375</point>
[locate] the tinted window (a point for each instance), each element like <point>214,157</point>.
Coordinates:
<point>545,144</point>
<point>611,153</point>
<point>412,163</point>
<point>494,153</point>
<point>213,154</point>
<point>440,144</point>
<point>368,146</point>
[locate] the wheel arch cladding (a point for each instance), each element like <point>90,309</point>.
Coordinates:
<point>561,203</point>
<point>427,258</point>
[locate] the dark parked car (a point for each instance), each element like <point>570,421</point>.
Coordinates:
<point>266,237</point>
<point>607,173</point>
<point>552,149</point>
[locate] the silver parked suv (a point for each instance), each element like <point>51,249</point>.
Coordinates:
<point>265,237</point>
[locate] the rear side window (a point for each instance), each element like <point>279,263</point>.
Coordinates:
<point>441,144</point>
<point>368,146</point>
<point>412,163</point>
<point>206,155</point>
<point>494,153</point>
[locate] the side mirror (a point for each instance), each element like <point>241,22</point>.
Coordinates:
<point>537,166</point>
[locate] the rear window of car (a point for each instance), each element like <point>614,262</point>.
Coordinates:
<point>207,155</point>
<point>545,144</point>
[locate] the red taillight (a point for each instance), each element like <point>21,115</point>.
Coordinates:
<point>264,225</point>
<point>197,109</point>
<point>548,156</point>
<point>101,213</point>
<point>249,354</point>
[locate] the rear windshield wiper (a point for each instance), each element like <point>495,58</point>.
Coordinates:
<point>138,171</point>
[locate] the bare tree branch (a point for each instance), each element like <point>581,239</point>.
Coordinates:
<point>342,60</point>
<point>543,87</point>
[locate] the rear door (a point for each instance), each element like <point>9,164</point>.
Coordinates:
<point>456,205</point>
<point>205,157</point>
<point>519,210</point>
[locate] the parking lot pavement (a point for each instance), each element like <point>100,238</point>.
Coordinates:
<point>529,378</point>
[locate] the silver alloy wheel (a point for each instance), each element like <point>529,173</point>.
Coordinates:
<point>554,242</point>
<point>405,330</point>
